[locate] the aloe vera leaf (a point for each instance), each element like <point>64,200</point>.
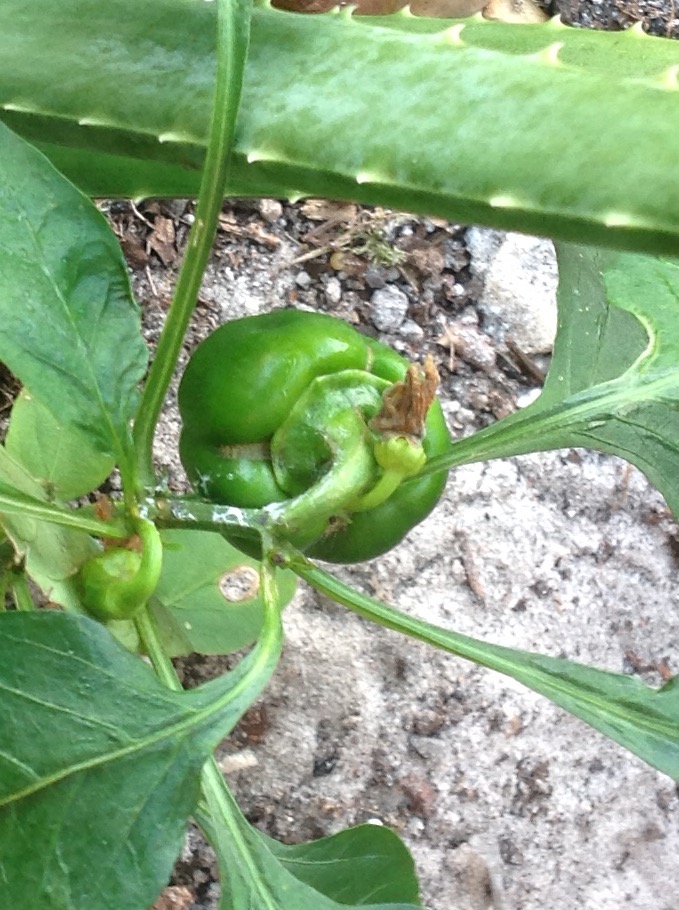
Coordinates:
<point>630,54</point>
<point>337,107</point>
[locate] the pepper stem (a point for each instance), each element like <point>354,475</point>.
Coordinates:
<point>399,457</point>
<point>304,518</point>
<point>400,427</point>
<point>353,484</point>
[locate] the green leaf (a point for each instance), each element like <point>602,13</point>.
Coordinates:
<point>99,762</point>
<point>597,341</point>
<point>618,54</point>
<point>341,123</point>
<point>644,720</point>
<point>52,553</point>
<point>616,363</point>
<point>358,866</point>
<point>614,380</point>
<point>69,328</point>
<point>257,873</point>
<point>208,598</point>
<point>60,457</point>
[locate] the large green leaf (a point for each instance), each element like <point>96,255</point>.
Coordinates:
<point>617,54</point>
<point>99,763</point>
<point>535,133</point>
<point>363,865</point>
<point>644,720</point>
<point>69,328</point>
<point>52,553</point>
<point>257,874</point>
<point>209,596</point>
<point>614,380</point>
<point>616,362</point>
<point>60,457</point>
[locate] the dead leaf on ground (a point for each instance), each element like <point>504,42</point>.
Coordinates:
<point>174,897</point>
<point>446,9</point>
<point>325,210</point>
<point>254,232</point>
<point>162,240</point>
<point>521,12</point>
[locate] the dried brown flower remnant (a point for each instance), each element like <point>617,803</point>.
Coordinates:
<point>405,405</point>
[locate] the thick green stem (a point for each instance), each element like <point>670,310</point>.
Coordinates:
<point>400,457</point>
<point>233,27</point>
<point>536,429</point>
<point>305,517</point>
<point>388,483</point>
<point>205,516</point>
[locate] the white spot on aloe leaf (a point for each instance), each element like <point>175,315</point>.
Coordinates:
<point>452,35</point>
<point>369,177</point>
<point>504,201</point>
<point>19,106</point>
<point>620,219</point>
<point>549,54</point>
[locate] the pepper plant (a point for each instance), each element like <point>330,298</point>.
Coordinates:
<point>566,133</point>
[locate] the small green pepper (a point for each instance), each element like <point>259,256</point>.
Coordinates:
<point>283,407</point>
<point>117,582</point>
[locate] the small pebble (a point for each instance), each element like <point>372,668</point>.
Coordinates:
<point>474,347</point>
<point>374,277</point>
<point>527,397</point>
<point>389,306</point>
<point>303,280</point>
<point>270,209</point>
<point>333,291</point>
<point>411,330</point>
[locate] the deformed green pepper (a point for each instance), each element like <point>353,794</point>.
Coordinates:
<point>294,408</point>
<point>117,582</point>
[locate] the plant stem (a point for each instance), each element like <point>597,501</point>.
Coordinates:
<point>218,807</point>
<point>15,502</point>
<point>21,592</point>
<point>495,657</point>
<point>304,518</point>
<point>233,27</point>
<point>148,636</point>
<point>388,483</point>
<point>233,851</point>
<point>177,512</point>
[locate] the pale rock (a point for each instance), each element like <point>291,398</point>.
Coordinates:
<point>411,330</point>
<point>303,280</point>
<point>333,291</point>
<point>270,209</point>
<point>520,279</point>
<point>389,306</point>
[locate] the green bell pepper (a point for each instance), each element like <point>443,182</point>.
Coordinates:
<point>117,582</point>
<point>283,408</point>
